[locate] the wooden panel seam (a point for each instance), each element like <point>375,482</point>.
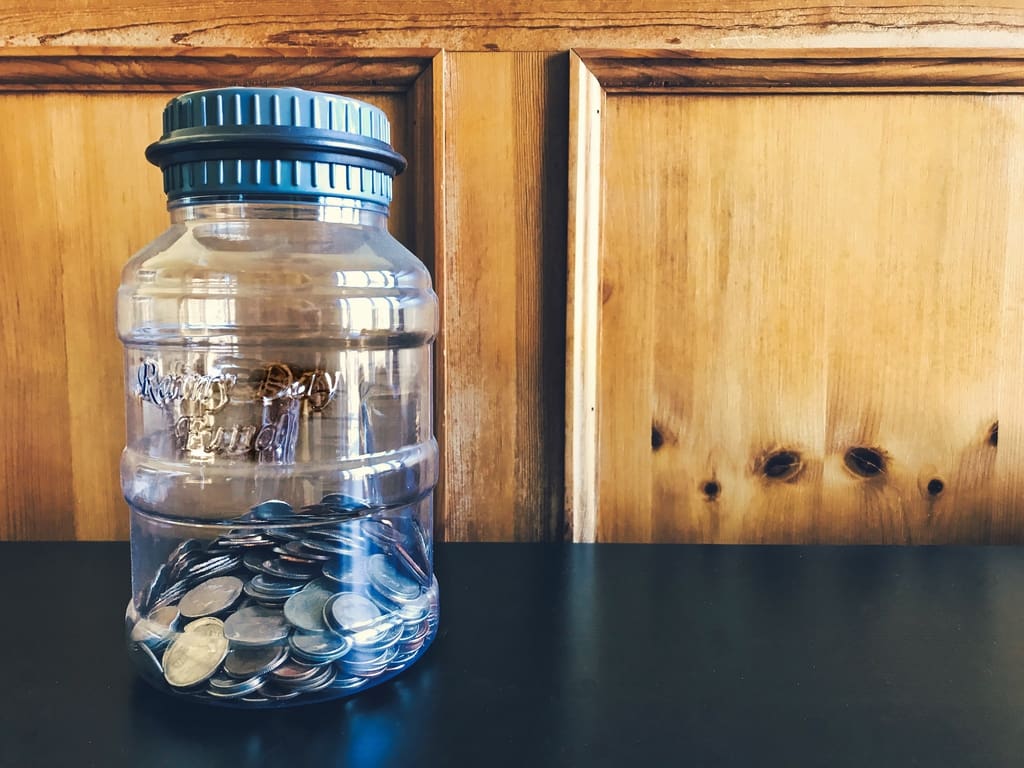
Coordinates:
<point>126,69</point>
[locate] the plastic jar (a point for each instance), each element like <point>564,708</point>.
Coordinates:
<point>280,459</point>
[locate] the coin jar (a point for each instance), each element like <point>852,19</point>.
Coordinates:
<point>280,461</point>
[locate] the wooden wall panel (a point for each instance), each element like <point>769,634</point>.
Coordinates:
<point>107,203</point>
<point>35,476</point>
<point>519,25</point>
<point>711,348</point>
<point>784,279</point>
<point>504,300</point>
<point>81,201</point>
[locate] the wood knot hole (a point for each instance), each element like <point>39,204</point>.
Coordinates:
<point>782,465</point>
<point>935,486</point>
<point>993,435</point>
<point>865,462</point>
<point>657,439</point>
<point>711,489</point>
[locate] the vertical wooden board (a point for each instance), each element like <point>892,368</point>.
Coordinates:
<point>503,295</point>
<point>108,203</point>
<point>1008,485</point>
<point>425,118</point>
<point>920,202</point>
<point>35,472</point>
<point>711,345</point>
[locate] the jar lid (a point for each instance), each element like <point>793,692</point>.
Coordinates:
<point>275,142</point>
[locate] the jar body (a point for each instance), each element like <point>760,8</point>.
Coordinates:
<point>280,459</point>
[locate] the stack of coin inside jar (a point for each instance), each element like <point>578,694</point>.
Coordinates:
<point>288,607</point>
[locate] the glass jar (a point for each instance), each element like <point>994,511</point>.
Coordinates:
<point>280,459</point>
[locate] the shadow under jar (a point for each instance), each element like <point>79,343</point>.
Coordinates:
<point>280,460</point>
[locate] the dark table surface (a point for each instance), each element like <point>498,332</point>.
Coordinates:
<point>570,655</point>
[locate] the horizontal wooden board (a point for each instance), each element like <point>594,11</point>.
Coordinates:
<point>806,70</point>
<point>463,25</point>
<point>173,69</point>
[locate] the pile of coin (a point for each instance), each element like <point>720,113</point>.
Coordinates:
<point>270,613</point>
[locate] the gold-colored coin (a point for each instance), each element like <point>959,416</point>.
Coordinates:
<point>195,656</point>
<point>206,626</point>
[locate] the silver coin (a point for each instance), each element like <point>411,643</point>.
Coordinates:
<point>193,657</point>
<point>282,535</point>
<point>339,501</point>
<point>390,581</point>
<point>217,566</point>
<point>314,682</point>
<point>274,692</point>
<point>299,549</point>
<point>403,658</point>
<point>275,566</point>
<point>159,584</point>
<point>253,559</point>
<point>409,564</point>
<point>166,616</point>
<point>184,548</point>
<point>414,611</point>
<point>346,534</point>
<point>319,647</point>
<point>274,509</point>
<point>383,634</point>
<point>370,667</point>
<point>348,612</point>
<point>414,632</point>
<point>275,586</point>
<point>213,596</point>
<point>244,663</point>
<point>223,687</point>
<point>319,682</point>
<point>347,683</point>
<point>256,625</point>
<point>296,554</point>
<point>382,533</point>
<point>150,664</point>
<point>332,547</point>
<point>305,610</point>
<point>187,558</point>
<point>345,569</point>
<point>292,672</point>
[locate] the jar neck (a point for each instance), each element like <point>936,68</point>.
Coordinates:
<point>328,209</point>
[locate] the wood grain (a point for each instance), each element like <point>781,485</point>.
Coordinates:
<point>82,199</point>
<point>586,155</point>
<point>35,476</point>
<point>426,108</point>
<point>523,25</point>
<point>914,317</point>
<point>504,310</point>
<point>172,69</point>
<point>817,70</point>
<point>803,276</point>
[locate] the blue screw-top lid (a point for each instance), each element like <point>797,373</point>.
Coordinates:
<point>275,142</point>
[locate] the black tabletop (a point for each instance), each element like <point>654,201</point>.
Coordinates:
<point>570,655</point>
